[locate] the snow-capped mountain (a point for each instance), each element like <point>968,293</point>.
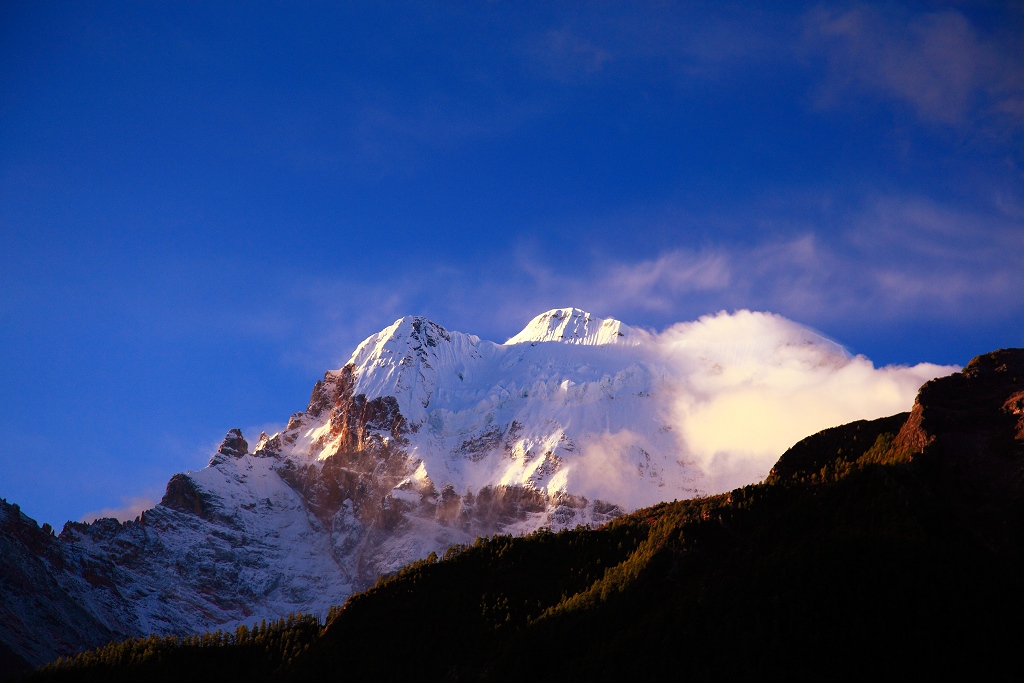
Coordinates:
<point>520,414</point>
<point>424,439</point>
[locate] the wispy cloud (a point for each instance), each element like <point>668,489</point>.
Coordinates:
<point>948,69</point>
<point>563,54</point>
<point>130,508</point>
<point>905,258</point>
<point>893,259</point>
<point>677,42</point>
<point>939,63</point>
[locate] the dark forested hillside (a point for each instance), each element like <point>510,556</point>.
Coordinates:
<point>884,549</point>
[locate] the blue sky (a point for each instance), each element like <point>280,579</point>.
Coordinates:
<point>203,206</point>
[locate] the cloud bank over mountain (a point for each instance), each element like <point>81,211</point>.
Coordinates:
<point>750,385</point>
<point>731,391</point>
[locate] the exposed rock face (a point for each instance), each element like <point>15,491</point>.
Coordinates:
<point>977,412</point>
<point>41,613</point>
<point>968,429</point>
<point>234,445</point>
<point>968,426</point>
<point>182,495</point>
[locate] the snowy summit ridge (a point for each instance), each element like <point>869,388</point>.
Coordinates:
<point>574,326</point>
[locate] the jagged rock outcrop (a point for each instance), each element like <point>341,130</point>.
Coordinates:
<point>977,412</point>
<point>182,495</point>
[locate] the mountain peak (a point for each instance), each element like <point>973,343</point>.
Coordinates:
<point>419,328</point>
<point>574,326</point>
<point>409,333</point>
<point>404,360</point>
<point>234,444</point>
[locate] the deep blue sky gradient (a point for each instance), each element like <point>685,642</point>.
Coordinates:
<point>203,206</point>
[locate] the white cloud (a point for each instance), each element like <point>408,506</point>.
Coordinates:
<point>750,385</point>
